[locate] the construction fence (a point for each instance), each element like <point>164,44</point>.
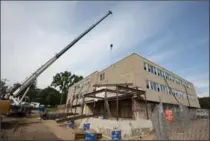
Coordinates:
<point>181,123</point>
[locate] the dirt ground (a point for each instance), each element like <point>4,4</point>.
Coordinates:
<point>30,129</point>
<point>35,129</point>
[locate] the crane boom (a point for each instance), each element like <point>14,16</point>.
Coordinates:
<point>33,77</point>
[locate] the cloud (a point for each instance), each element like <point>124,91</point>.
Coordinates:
<point>201,82</point>
<point>204,94</point>
<point>30,37</point>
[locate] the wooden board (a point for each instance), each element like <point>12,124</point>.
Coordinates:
<point>81,135</point>
<point>73,118</point>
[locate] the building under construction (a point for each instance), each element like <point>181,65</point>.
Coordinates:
<point>130,89</point>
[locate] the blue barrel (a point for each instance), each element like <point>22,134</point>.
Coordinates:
<point>116,135</point>
<point>70,124</point>
<point>86,126</point>
<point>104,117</point>
<point>41,108</point>
<point>90,137</point>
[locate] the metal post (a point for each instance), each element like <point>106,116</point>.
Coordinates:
<point>117,104</point>
<point>94,107</point>
<point>162,128</point>
<point>146,106</point>
<point>134,108</point>
<point>83,104</point>
<point>105,98</point>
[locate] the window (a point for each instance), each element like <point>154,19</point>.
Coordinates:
<point>162,88</point>
<point>155,70</point>
<point>161,73</point>
<point>152,69</point>
<point>147,85</point>
<point>158,87</point>
<point>172,78</point>
<point>149,68</point>
<point>166,75</point>
<point>155,86</point>
<point>151,84</point>
<point>169,77</point>
<point>102,76</point>
<point>170,92</point>
<point>145,66</point>
<point>158,72</point>
<point>177,81</point>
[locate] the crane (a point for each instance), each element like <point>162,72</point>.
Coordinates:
<point>17,104</point>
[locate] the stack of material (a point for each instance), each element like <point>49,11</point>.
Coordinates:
<point>53,116</point>
<point>80,134</point>
<point>74,117</point>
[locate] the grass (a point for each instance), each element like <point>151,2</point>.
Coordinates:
<point>51,109</point>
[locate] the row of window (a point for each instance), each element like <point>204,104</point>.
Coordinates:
<point>102,76</point>
<point>164,74</point>
<point>78,96</point>
<point>82,84</point>
<point>165,89</point>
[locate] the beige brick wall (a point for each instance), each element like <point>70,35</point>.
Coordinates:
<point>131,70</point>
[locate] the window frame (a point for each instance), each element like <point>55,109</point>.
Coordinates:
<point>102,76</point>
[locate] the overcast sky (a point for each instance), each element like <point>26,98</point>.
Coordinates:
<point>174,35</point>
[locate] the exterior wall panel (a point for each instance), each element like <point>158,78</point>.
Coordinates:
<point>131,70</point>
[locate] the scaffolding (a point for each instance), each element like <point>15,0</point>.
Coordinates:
<point>122,90</point>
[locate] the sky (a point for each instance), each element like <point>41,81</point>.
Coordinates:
<point>173,34</point>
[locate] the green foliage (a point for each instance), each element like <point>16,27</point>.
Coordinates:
<point>204,102</point>
<point>15,87</point>
<point>63,81</point>
<point>3,86</point>
<point>48,96</point>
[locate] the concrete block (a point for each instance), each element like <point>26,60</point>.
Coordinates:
<point>129,128</point>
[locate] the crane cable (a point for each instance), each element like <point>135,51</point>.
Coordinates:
<point>171,92</point>
<point>187,95</point>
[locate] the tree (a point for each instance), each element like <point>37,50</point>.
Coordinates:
<point>48,96</point>
<point>204,102</point>
<point>3,86</point>
<point>15,87</point>
<point>63,81</point>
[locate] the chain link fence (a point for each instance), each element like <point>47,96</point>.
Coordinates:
<point>186,124</point>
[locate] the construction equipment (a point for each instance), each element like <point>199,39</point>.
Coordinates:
<point>22,105</point>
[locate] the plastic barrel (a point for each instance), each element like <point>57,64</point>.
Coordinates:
<point>90,137</point>
<point>86,126</point>
<point>41,108</point>
<point>70,124</point>
<point>116,135</point>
